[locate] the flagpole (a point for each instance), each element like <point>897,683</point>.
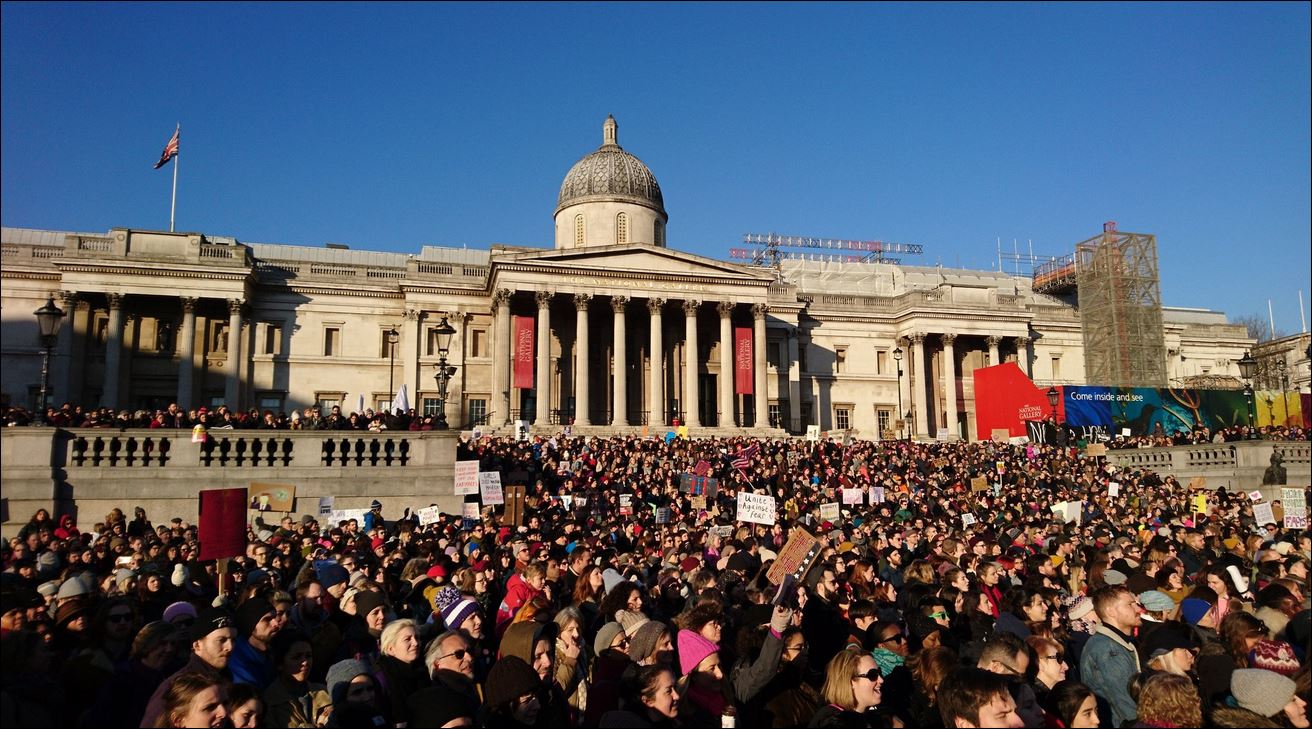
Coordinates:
<point>173,207</point>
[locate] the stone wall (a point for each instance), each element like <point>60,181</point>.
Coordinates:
<point>1233,466</point>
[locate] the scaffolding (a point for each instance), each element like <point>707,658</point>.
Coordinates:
<point>1121,309</point>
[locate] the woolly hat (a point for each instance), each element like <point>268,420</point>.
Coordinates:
<point>605,636</point>
<point>454,607</point>
<point>250,613</point>
<point>48,562</point>
<point>340,676</point>
<point>610,578</point>
<point>47,589</point>
<point>1193,609</point>
<point>643,640</point>
<point>367,600</point>
<point>72,587</point>
<point>70,611</point>
<point>1156,601</point>
<point>209,621</point>
<point>180,575</point>
<point>1261,691</point>
<point>509,679</point>
<point>1114,577</point>
<point>1077,606</point>
<point>1168,637</point>
<point>331,574</point>
<point>630,621</point>
<point>179,610</point>
<point>375,505</point>
<point>693,649</point>
<point>1274,655</point>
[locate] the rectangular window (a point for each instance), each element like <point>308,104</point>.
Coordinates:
<point>478,411</point>
<point>430,406</point>
<point>270,401</point>
<point>801,356</point>
<point>881,362</point>
<point>1056,367</point>
<point>327,400</point>
<point>840,360</point>
<point>806,414</point>
<point>776,357</point>
<point>478,343</point>
<point>843,418</point>
<point>387,346</point>
<point>272,338</point>
<point>332,341</point>
<point>774,415</point>
<point>884,417</point>
<point>147,333</point>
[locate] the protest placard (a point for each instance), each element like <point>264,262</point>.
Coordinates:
<point>489,488</point>
<point>340,515</point>
<point>1255,495</point>
<point>853,496</point>
<point>469,510</point>
<point>692,483</point>
<point>222,523</point>
<point>698,502</point>
<point>1200,503</point>
<point>513,511</point>
<point>1113,489</point>
<point>1198,482</point>
<point>466,478</point>
<point>830,511</point>
<point>326,505</point>
<point>430,515</point>
<point>1262,514</point>
<point>876,495</point>
<point>271,496</point>
<point>723,531</point>
<point>795,557</point>
<point>967,520</point>
<point>1294,502</point>
<point>979,483</point>
<point>792,458</point>
<point>626,504</point>
<point>1125,432</point>
<point>663,515</point>
<point>999,435</point>
<point>1096,450</point>
<point>756,508</point>
<point>813,432</point>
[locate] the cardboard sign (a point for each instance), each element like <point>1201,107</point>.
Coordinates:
<point>792,458</point>
<point>1068,511</point>
<point>999,435</point>
<point>967,520</point>
<point>1096,450</point>
<point>756,508</point>
<point>1255,496</point>
<point>813,433</point>
<point>979,483</point>
<point>469,510</point>
<point>489,488</point>
<point>876,495</point>
<point>513,511</point>
<point>326,505</point>
<point>698,502</point>
<point>830,511</point>
<point>1263,515</point>
<point>271,497</point>
<point>626,504</point>
<point>854,497</point>
<point>430,515</point>
<point>682,431</point>
<point>1113,489</point>
<point>222,523</point>
<point>795,557</point>
<point>466,478</point>
<point>1198,482</point>
<point>723,531</point>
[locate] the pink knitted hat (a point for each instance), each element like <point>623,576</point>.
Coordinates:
<point>693,648</point>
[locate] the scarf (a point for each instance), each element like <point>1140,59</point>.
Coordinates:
<point>709,700</point>
<point>887,660</point>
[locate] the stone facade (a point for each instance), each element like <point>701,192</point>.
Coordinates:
<point>156,317</point>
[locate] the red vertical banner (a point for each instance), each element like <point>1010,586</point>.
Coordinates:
<point>742,360</point>
<point>524,352</point>
<point>222,528</point>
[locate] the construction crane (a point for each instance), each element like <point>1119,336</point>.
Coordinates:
<point>767,251</point>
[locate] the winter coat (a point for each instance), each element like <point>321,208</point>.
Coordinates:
<point>1108,663</point>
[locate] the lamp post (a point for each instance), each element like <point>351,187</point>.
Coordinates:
<point>1247,365</point>
<point>1053,397</point>
<point>897,357</point>
<point>392,337</point>
<point>48,319</point>
<point>1283,369</point>
<point>444,372</point>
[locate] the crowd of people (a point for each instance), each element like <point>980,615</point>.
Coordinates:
<point>221,417</point>
<point>1046,598</point>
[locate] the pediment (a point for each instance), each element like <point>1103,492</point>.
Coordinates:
<point>633,259</point>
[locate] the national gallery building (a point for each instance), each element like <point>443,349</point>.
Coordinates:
<point>610,329</point>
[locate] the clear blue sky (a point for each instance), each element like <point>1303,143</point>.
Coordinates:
<point>390,127</point>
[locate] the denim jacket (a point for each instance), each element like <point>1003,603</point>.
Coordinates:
<point>1107,665</point>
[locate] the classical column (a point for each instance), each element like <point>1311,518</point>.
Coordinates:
<point>80,322</point>
<point>113,351</point>
<point>542,387</point>
<point>690,394</point>
<point>1023,354</point>
<point>656,375</point>
<point>726,364</point>
<point>502,351</point>
<point>620,417</point>
<point>582,352</point>
<point>187,353</point>
<point>993,349</point>
<point>918,392</point>
<point>232,388</point>
<point>794,382</point>
<point>409,347</point>
<point>950,379</point>
<point>66,367</point>
<point>758,367</point>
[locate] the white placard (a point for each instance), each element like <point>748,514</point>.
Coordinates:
<point>340,515</point>
<point>756,508</point>
<point>1125,432</point>
<point>1068,511</point>
<point>1254,496</point>
<point>1262,514</point>
<point>466,478</point>
<point>428,515</point>
<point>1294,502</point>
<point>469,510</point>
<point>876,495</point>
<point>853,496</point>
<point>967,520</point>
<point>1113,489</point>
<point>813,432</point>
<point>567,500</point>
<point>829,512</point>
<point>326,505</point>
<point>489,488</point>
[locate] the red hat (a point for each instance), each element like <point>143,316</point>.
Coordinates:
<point>480,565</point>
<point>437,571</point>
<point>827,526</point>
<point>375,543</point>
<point>689,564</point>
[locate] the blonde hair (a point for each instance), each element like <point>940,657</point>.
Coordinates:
<point>1166,663</point>
<point>1170,700</point>
<point>392,633</point>
<point>838,679</point>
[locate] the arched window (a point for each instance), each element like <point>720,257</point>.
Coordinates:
<point>622,228</point>
<point>578,230</point>
<point>659,233</point>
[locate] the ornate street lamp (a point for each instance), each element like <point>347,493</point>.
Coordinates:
<point>1247,366</point>
<point>1053,397</point>
<point>392,337</point>
<point>444,371</point>
<point>48,319</point>
<point>897,357</point>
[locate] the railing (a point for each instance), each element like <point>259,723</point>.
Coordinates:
<point>115,450</point>
<point>95,245</point>
<point>238,448</point>
<point>208,250</point>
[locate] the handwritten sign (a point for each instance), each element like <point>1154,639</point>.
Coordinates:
<point>326,505</point>
<point>626,504</point>
<point>340,515</point>
<point>1263,515</point>
<point>756,508</point>
<point>698,502</point>
<point>979,483</point>
<point>853,497</point>
<point>876,495</point>
<point>1294,502</point>
<point>663,515</point>
<point>469,510</point>
<point>967,520</point>
<point>430,514</point>
<point>1125,432</point>
<point>795,557</point>
<point>1096,450</point>
<point>489,488</point>
<point>466,478</point>
<point>830,511</point>
<point>1113,489</point>
<point>1254,496</point>
<point>813,432</point>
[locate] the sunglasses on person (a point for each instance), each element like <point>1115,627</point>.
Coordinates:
<point>872,675</point>
<point>938,615</point>
<point>898,638</point>
<point>458,654</point>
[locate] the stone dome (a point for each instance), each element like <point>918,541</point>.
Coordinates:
<point>611,174</point>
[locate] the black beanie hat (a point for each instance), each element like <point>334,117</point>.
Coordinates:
<point>509,679</point>
<point>250,612</point>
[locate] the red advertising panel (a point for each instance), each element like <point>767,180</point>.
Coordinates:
<point>742,360</point>
<point>1006,398</point>
<point>524,352</point>
<point>222,523</point>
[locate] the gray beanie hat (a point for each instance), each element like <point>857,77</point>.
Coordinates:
<point>643,641</point>
<point>72,587</point>
<point>606,636</point>
<point>340,676</point>
<point>1261,691</point>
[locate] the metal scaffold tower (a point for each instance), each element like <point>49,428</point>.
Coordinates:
<point>1121,309</point>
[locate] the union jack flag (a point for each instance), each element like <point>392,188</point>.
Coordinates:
<point>170,149</point>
